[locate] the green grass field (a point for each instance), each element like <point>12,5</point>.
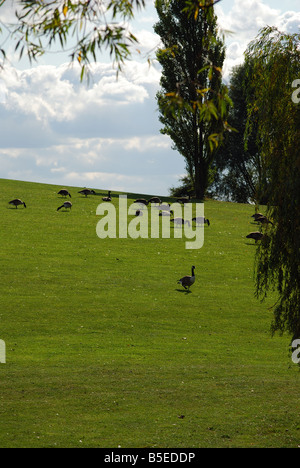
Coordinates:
<point>104,349</point>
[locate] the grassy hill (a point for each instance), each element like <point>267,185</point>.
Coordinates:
<point>104,349</point>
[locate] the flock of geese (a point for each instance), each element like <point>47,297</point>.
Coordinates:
<point>188,280</point>
<point>85,192</point>
<point>64,193</point>
<point>165,210</point>
<point>263,220</point>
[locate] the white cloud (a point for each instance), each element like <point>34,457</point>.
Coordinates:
<point>54,94</point>
<point>244,20</point>
<point>50,102</point>
<point>103,179</point>
<point>148,41</point>
<point>55,129</point>
<point>106,135</point>
<point>234,57</point>
<point>2,93</point>
<point>289,22</point>
<point>8,11</point>
<point>246,17</point>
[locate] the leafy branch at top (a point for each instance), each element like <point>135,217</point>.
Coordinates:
<point>85,28</point>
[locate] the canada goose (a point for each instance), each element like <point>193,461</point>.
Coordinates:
<point>255,235</point>
<point>66,205</point>
<point>108,198</point>
<point>184,199</point>
<point>256,215</point>
<point>166,213</point>
<point>165,207</point>
<point>17,202</point>
<point>64,193</point>
<point>87,192</point>
<point>142,201</point>
<point>180,221</point>
<point>201,220</point>
<point>264,220</point>
<point>154,200</point>
<point>188,281</point>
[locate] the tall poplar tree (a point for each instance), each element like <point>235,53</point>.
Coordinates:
<point>192,101</point>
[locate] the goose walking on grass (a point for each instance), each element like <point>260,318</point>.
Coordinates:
<point>166,213</point>
<point>87,192</point>
<point>263,220</point>
<point>17,202</point>
<point>142,201</point>
<point>163,207</point>
<point>108,198</point>
<point>199,220</point>
<point>255,235</point>
<point>256,216</point>
<point>64,193</point>
<point>187,281</point>
<point>66,205</point>
<point>180,221</point>
<point>154,200</point>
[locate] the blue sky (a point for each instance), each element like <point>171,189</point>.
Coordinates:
<point>53,129</point>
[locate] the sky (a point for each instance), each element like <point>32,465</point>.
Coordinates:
<point>106,135</point>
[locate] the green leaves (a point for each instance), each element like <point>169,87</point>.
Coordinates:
<point>276,60</point>
<point>85,28</point>
<point>193,102</point>
<point>194,7</point>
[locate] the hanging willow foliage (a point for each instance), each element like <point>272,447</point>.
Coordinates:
<point>276,58</point>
